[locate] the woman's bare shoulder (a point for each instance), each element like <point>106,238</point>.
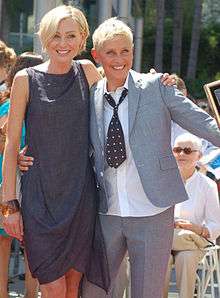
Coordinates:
<point>20,86</point>
<point>21,74</point>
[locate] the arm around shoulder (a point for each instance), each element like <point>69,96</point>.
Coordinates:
<point>91,72</point>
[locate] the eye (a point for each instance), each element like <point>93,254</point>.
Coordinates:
<point>125,51</point>
<point>110,52</point>
<point>56,36</point>
<point>70,36</point>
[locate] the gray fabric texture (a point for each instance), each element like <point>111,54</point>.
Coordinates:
<point>148,241</point>
<point>59,198</point>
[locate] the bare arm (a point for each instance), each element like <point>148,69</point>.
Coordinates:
<point>198,229</point>
<point>91,72</point>
<point>19,96</point>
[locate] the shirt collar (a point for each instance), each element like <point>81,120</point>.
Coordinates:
<point>191,178</point>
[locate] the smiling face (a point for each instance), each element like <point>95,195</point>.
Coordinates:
<point>66,42</point>
<point>116,57</point>
<point>187,161</point>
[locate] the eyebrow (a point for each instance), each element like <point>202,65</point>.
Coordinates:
<point>72,31</point>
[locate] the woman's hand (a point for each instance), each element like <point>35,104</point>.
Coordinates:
<point>183,224</point>
<point>13,225</point>
<point>205,232</point>
<point>167,79</point>
<point>198,229</point>
<point>24,162</point>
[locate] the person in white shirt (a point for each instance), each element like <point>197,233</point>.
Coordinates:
<point>200,214</point>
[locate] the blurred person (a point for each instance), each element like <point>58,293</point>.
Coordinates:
<point>7,59</point>
<point>203,104</point>
<point>177,130</point>
<point>199,214</point>
<point>24,60</point>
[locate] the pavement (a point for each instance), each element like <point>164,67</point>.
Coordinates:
<point>16,286</point>
<point>16,267</point>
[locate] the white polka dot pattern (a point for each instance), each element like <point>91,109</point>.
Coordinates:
<point>115,144</point>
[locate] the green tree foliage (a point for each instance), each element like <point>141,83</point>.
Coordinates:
<point>208,65</point>
<point>18,6</point>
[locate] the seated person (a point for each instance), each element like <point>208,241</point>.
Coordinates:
<point>176,130</point>
<point>200,214</point>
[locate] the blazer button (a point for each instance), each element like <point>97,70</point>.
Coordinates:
<point>101,174</point>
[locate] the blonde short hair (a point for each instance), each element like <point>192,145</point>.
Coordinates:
<point>110,29</point>
<point>50,22</point>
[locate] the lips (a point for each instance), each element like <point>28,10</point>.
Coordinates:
<point>63,52</point>
<point>118,67</point>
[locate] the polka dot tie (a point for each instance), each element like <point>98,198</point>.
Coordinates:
<point>115,145</point>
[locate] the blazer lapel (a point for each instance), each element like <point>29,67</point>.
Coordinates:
<point>99,110</point>
<point>134,92</point>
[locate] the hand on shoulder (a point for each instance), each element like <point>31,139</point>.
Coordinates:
<point>165,78</point>
<point>91,71</point>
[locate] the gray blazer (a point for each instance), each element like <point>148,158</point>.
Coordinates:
<point>151,107</point>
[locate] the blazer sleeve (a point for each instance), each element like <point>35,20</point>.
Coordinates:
<point>189,116</point>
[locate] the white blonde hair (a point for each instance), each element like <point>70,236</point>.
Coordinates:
<point>50,22</point>
<point>187,137</point>
<point>110,29</point>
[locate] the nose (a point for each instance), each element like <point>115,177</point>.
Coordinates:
<point>181,153</point>
<point>118,58</point>
<point>62,41</point>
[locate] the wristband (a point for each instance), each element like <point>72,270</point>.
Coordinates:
<point>9,207</point>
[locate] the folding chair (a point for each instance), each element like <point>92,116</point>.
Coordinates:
<point>210,270</point>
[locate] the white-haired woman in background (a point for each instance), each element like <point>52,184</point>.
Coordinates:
<point>200,214</point>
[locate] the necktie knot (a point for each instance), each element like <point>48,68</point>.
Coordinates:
<point>111,100</point>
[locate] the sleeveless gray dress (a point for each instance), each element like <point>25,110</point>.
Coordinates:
<point>59,197</point>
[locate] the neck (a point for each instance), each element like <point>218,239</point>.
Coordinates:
<point>112,85</point>
<point>58,68</point>
<point>186,173</point>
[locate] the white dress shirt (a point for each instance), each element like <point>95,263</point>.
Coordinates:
<point>203,204</point>
<point>125,194</point>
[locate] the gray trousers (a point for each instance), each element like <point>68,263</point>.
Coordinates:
<point>121,281</point>
<point>148,242</point>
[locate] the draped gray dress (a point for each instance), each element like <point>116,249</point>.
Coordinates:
<point>59,197</point>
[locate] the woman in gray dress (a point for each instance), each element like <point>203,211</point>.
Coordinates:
<point>62,234</point>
